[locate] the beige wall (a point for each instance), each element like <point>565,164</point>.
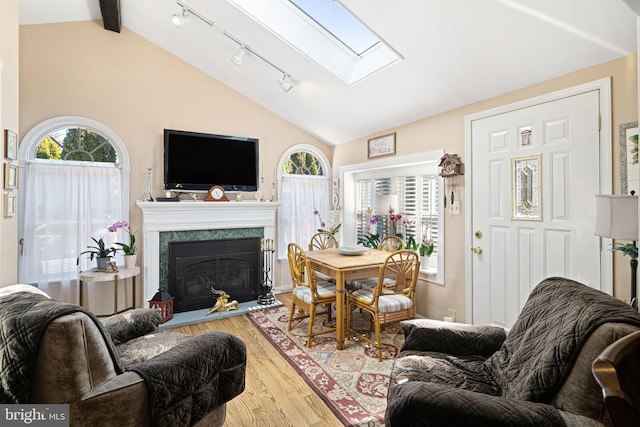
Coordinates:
<point>447,131</point>
<point>8,120</point>
<point>137,90</point>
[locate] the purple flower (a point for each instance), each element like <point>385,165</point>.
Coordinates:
<point>116,225</point>
<point>374,219</point>
<point>408,220</point>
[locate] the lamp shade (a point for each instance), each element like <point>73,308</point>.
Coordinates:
<point>387,202</point>
<point>617,217</point>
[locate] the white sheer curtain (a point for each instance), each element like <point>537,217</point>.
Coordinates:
<point>300,195</point>
<point>65,205</point>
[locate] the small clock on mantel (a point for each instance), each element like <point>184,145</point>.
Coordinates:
<point>216,194</point>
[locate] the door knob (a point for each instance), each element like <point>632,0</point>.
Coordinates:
<point>477,250</point>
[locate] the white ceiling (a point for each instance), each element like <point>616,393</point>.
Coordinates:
<point>456,52</point>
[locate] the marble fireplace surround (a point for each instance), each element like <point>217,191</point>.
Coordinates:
<point>160,217</point>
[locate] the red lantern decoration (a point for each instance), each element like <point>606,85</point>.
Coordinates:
<point>164,302</point>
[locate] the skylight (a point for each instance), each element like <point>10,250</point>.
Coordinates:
<point>339,23</point>
<point>326,33</point>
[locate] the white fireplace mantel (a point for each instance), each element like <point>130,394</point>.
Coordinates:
<point>196,215</point>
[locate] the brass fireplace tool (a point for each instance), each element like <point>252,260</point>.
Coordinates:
<point>267,250</point>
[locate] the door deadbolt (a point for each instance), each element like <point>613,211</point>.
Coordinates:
<point>478,234</point>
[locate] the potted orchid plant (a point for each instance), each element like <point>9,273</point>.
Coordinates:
<point>331,227</point>
<point>372,239</point>
<point>128,249</point>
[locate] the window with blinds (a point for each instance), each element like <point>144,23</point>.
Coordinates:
<point>417,191</point>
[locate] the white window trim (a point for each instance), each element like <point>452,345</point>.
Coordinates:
<point>30,142</point>
<point>326,168</point>
<point>348,196</point>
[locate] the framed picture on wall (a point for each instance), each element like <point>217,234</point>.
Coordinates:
<point>10,176</point>
<point>10,145</point>
<point>9,205</point>
<point>384,145</point>
<point>629,176</point>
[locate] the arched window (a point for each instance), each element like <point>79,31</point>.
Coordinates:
<point>71,143</point>
<point>304,190</point>
<point>74,185</point>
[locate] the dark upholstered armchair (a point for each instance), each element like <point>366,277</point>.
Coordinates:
<point>537,374</point>
<point>617,370</point>
<point>122,371</point>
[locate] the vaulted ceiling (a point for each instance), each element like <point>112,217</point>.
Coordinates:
<point>455,52</point>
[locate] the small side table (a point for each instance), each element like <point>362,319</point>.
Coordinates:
<point>102,276</point>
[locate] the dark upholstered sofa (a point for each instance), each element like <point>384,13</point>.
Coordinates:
<point>536,374</point>
<point>121,371</point>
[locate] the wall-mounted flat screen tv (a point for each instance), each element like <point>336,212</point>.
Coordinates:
<point>197,161</point>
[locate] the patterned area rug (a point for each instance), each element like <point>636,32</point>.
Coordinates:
<point>351,381</point>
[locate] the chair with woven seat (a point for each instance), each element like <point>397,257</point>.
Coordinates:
<point>323,240</point>
<point>388,244</point>
<point>308,293</point>
<point>385,303</point>
<point>617,371</point>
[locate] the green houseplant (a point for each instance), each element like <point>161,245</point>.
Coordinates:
<point>100,252</point>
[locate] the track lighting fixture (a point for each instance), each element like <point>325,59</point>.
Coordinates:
<point>180,20</point>
<point>237,58</point>
<point>286,83</point>
<point>187,12</point>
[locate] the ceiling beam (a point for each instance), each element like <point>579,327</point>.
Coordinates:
<point>110,10</point>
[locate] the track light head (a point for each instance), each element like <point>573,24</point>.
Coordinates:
<point>237,57</point>
<point>180,20</point>
<point>286,83</point>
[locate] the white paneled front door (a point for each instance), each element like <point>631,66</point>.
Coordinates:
<point>535,172</point>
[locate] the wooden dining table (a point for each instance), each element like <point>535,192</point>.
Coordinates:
<point>343,268</point>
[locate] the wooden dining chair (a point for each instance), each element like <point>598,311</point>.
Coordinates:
<point>388,244</point>
<point>391,244</point>
<point>308,293</point>
<point>387,304</point>
<point>617,371</point>
<point>323,240</point>
<point>320,241</point>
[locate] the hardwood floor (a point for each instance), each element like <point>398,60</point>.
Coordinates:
<point>274,395</point>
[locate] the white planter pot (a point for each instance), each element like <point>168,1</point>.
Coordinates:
<point>130,261</point>
<point>424,262</point>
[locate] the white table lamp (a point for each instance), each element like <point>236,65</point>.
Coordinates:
<point>617,218</point>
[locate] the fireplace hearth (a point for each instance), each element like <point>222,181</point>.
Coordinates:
<point>230,265</point>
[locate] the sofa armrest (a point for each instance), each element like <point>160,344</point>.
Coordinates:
<point>418,403</point>
<point>452,338</point>
<point>131,324</point>
<point>190,379</point>
<point>120,401</point>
